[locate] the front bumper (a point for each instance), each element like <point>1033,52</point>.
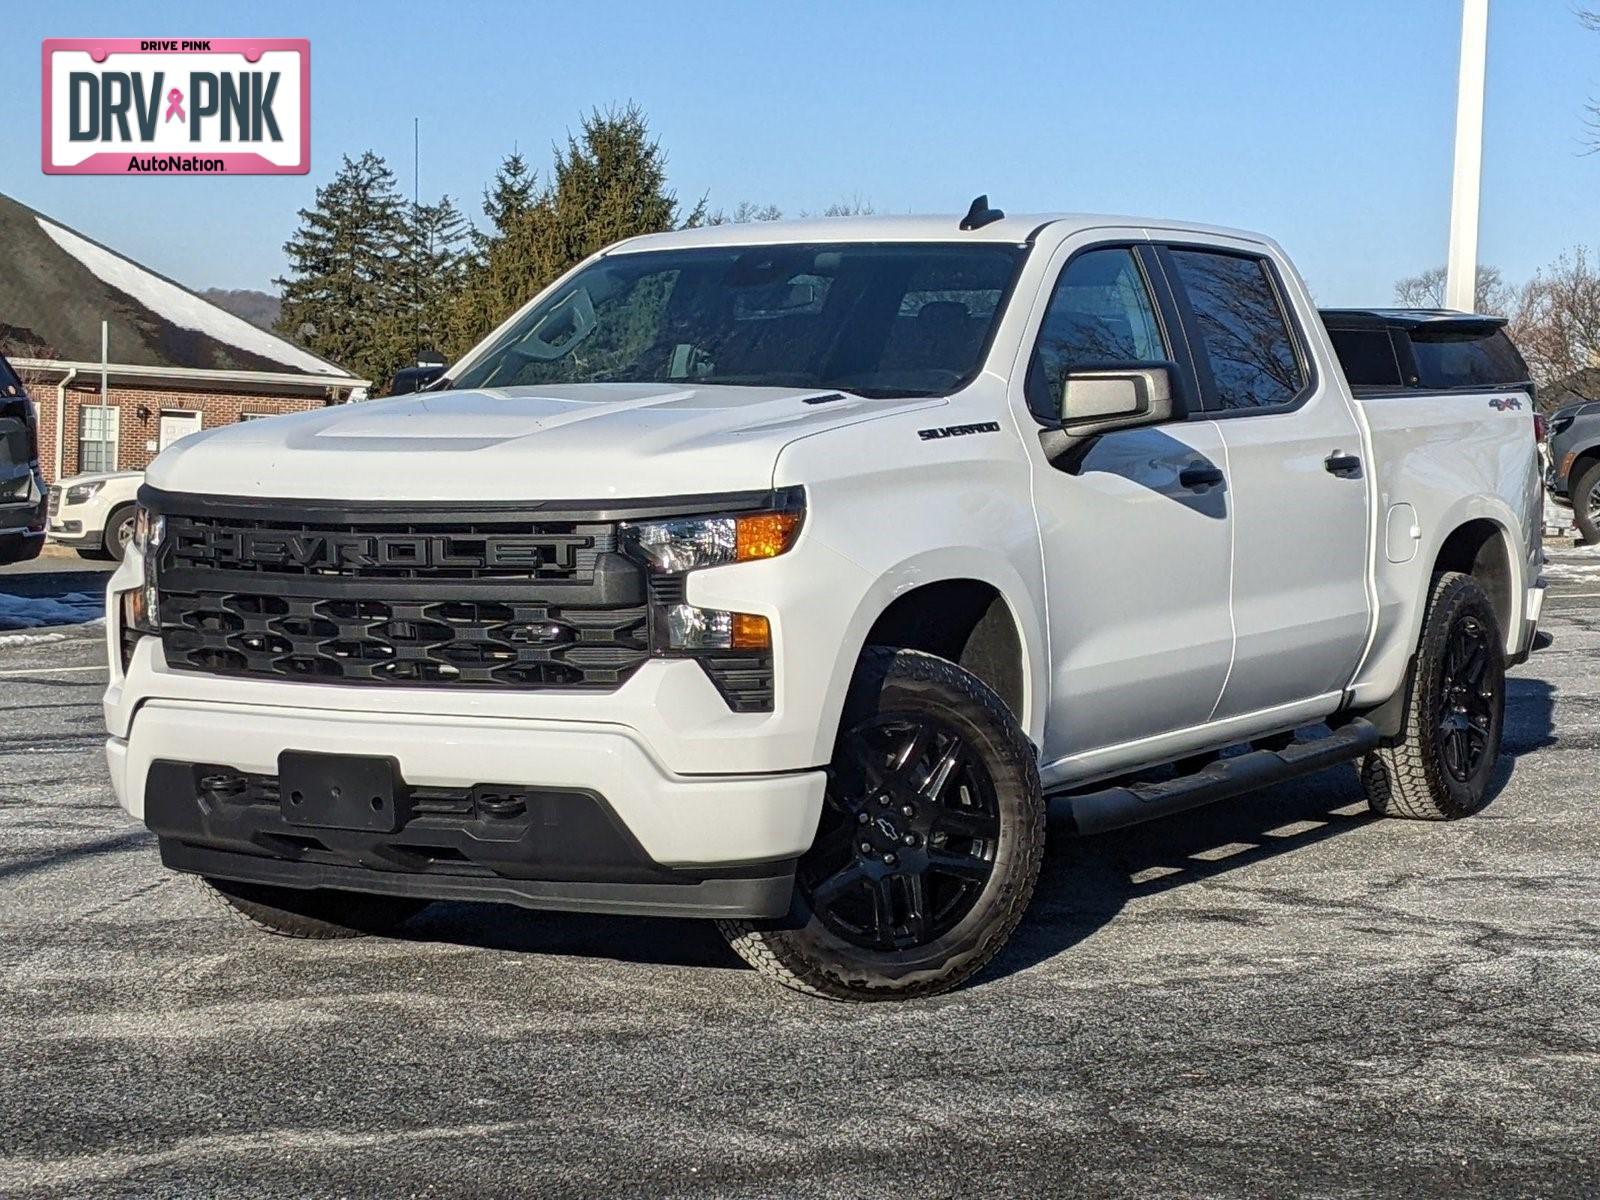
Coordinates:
<point>687,845</point>
<point>72,533</point>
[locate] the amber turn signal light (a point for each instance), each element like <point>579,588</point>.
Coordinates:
<point>764,535</point>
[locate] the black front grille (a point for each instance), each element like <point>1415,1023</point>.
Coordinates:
<point>418,598</point>
<point>456,642</point>
<point>424,596</point>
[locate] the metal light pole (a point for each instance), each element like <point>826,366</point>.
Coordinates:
<point>1461,274</point>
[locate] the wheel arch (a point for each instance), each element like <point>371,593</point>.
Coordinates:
<point>971,609</point>
<point>1482,547</point>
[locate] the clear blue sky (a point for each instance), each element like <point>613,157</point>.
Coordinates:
<point>1326,123</point>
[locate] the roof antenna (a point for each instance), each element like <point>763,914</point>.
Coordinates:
<point>980,214</point>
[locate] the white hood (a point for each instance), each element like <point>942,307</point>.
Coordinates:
<point>573,442</point>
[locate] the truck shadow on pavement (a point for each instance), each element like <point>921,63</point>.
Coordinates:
<point>1085,883</point>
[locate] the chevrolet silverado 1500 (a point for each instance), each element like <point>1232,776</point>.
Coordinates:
<point>781,573</point>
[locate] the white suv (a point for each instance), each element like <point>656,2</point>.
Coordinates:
<point>94,513</point>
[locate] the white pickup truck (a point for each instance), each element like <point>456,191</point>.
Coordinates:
<point>780,573</point>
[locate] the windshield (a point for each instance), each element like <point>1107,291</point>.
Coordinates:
<point>877,319</point>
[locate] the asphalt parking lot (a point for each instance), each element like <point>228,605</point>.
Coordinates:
<point>1282,995</point>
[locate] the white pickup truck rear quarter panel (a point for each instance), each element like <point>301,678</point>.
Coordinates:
<point>1453,458</point>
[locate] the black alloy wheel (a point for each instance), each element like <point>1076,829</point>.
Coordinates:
<point>909,836</point>
<point>1469,695</point>
<point>929,844</point>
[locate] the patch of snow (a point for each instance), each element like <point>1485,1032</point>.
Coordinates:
<point>178,306</point>
<point>34,612</point>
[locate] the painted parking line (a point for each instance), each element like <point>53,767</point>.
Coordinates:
<point>51,670</point>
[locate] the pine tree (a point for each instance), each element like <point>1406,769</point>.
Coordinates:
<point>608,183</point>
<point>347,276</point>
<point>438,260</point>
<point>511,196</point>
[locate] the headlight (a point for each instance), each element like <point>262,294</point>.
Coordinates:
<point>140,607</point>
<point>693,629</point>
<point>678,545</point>
<point>682,544</point>
<point>78,493</point>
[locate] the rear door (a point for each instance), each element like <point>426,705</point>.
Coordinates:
<point>1294,459</point>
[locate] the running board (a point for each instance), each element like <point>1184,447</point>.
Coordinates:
<point>1118,807</point>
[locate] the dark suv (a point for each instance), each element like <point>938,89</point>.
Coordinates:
<point>1575,463</point>
<point>22,493</point>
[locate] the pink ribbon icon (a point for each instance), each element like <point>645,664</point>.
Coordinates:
<point>175,105</point>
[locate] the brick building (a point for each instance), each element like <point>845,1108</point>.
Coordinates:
<point>175,363</point>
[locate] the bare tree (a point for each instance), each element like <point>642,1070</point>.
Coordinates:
<point>1556,322</point>
<point>745,212</point>
<point>1490,294</point>
<point>1590,19</point>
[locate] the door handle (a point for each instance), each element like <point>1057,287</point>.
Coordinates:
<point>1199,475</point>
<point>1345,466</point>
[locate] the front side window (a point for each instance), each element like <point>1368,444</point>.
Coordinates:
<point>1244,333</point>
<point>1100,315</point>
<point>877,319</point>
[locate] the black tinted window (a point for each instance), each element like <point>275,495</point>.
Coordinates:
<point>1450,358</point>
<point>10,385</point>
<point>877,319</point>
<point>1367,356</point>
<point>1246,338</point>
<point>1100,314</point>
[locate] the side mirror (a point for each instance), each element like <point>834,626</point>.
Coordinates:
<point>414,379</point>
<point>1095,401</point>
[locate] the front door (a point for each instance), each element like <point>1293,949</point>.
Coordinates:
<point>1135,532</point>
<point>1295,462</point>
<point>177,423</point>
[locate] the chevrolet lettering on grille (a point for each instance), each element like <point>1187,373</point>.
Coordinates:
<point>334,551</point>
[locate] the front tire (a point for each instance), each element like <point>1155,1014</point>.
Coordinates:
<point>1585,495</point>
<point>931,841</point>
<point>119,532</point>
<point>316,915</point>
<point>1439,766</point>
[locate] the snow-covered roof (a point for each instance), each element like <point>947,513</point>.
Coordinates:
<point>56,286</point>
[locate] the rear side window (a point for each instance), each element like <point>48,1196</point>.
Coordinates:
<point>1467,358</point>
<point>1367,356</point>
<point>1245,335</point>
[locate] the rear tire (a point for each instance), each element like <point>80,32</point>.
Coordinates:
<point>1439,766</point>
<point>1585,493</point>
<point>929,847</point>
<point>318,915</point>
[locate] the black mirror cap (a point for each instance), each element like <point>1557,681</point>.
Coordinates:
<point>414,379</point>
